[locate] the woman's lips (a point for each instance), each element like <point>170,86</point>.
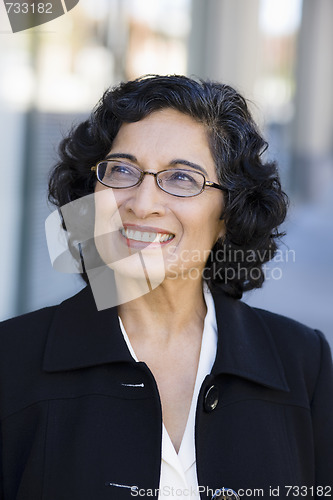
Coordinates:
<point>143,237</point>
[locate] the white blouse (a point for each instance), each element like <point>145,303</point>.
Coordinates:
<point>178,471</point>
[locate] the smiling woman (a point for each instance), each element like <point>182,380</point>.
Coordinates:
<point>179,390</point>
<point>254,204</point>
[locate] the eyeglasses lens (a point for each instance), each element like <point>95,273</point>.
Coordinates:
<point>117,174</point>
<point>181,182</point>
<point>178,182</point>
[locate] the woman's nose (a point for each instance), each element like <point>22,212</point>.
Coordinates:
<point>146,199</point>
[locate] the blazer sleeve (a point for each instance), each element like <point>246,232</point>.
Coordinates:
<point>322,418</point>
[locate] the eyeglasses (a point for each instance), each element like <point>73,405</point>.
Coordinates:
<point>176,181</point>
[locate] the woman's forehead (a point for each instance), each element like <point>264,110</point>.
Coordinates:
<point>165,134</point>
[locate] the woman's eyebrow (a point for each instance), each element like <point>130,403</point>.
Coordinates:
<point>126,156</point>
<point>173,163</point>
<point>180,161</point>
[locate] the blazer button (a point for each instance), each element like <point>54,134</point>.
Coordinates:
<point>211,398</point>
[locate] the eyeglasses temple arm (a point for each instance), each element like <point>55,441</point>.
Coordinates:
<point>214,185</point>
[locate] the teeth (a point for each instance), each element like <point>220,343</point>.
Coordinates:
<point>145,236</point>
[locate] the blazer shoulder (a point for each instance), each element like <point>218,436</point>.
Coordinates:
<point>279,318</point>
<point>285,324</point>
<point>288,329</point>
<point>299,345</point>
<point>32,323</point>
<point>26,328</point>
<point>30,330</point>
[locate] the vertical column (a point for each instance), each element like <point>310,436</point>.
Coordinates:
<point>224,43</point>
<point>313,125</point>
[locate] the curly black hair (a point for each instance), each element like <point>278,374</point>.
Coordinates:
<point>255,204</point>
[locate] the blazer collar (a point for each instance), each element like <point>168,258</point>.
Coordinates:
<point>80,336</point>
<point>245,344</point>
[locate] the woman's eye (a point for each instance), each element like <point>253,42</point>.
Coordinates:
<point>120,169</point>
<point>181,177</point>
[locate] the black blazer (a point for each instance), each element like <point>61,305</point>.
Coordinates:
<point>80,420</point>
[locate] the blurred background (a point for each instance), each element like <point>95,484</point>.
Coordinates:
<point>278,53</point>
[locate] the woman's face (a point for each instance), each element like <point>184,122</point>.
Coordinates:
<point>184,230</point>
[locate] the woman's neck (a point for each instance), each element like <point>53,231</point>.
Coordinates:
<point>168,311</point>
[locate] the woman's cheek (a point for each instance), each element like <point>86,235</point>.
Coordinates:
<point>171,254</point>
<point>107,216</point>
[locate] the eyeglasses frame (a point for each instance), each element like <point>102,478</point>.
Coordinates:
<point>155,174</point>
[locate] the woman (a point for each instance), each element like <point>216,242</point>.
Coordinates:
<point>180,390</point>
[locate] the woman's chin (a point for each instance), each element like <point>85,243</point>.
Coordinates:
<point>140,268</point>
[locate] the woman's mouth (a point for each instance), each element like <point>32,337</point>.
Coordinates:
<point>146,236</point>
